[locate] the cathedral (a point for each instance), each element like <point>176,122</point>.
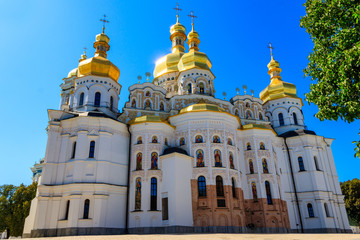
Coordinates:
<point>177,159</point>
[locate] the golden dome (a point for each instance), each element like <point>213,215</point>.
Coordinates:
<point>149,118</point>
<point>277,87</point>
<point>73,73</point>
<point>200,107</point>
<point>194,58</point>
<point>99,65</point>
<point>169,62</point>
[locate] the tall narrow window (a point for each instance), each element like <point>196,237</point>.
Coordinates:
<point>202,186</point>
<point>326,210</point>
<point>67,210</point>
<point>165,209</point>
<point>138,194</point>
<point>248,146</point>
<point>201,88</point>
<point>97,99</point>
<point>73,150</point>
<point>86,209</point>
<point>111,103</point>
<point>254,192</point>
<point>189,88</point>
<point>81,100</point>
<point>233,187</point>
<point>301,164</point>
<point>260,116</point>
<point>316,164</point>
<point>281,119</point>
<point>295,119</point>
<point>219,186</point>
<point>310,210</point>
<point>92,149</point>
<point>153,200</point>
<point>268,193</point>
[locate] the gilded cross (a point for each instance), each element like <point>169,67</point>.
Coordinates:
<point>271,48</point>
<point>104,22</point>
<point>177,9</point>
<point>192,17</point>
<point>85,50</point>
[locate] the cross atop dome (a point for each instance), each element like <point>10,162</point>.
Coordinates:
<point>177,11</point>
<point>104,22</point>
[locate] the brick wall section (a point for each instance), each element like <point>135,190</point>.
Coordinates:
<point>238,212</point>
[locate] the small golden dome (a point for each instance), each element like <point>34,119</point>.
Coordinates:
<point>277,87</point>
<point>200,107</point>
<point>73,73</point>
<point>99,65</point>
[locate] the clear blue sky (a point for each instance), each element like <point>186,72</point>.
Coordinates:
<point>41,41</point>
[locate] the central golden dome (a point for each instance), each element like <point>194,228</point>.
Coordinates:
<point>200,107</point>
<point>169,62</point>
<point>99,65</point>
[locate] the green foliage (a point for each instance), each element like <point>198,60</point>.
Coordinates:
<point>334,64</point>
<point>351,191</point>
<point>15,206</point>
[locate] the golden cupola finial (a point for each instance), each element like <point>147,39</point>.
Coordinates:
<point>99,65</point>
<point>83,56</point>
<point>178,34</point>
<point>193,36</point>
<point>277,87</point>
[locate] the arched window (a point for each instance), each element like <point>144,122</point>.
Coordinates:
<point>139,140</point>
<point>260,116</point>
<point>236,112</point>
<point>229,141</point>
<point>200,158</point>
<point>316,164</point>
<point>251,167</point>
<point>73,150</point>
<point>148,104</point>
<point>281,119</point>
<point>254,192</point>
<point>310,210</point>
<point>262,146</point>
<point>81,100</point>
<point>295,119</point>
<point>231,160</point>
<point>92,149</point>
<point>189,88</point>
<point>161,106</point>
<point>166,142</point>
<point>138,194</point>
<point>182,141</point>
<point>111,103</point>
<point>216,139</point>
<point>247,105</point>
<point>154,139</point>
<point>327,213</point>
<point>201,88</point>
<point>301,164</point>
<point>248,115</point>
<point>199,139</point>
<point>133,103</point>
<point>153,194</point>
<point>219,186</point>
<point>86,209</point>
<point>217,157</point>
<point>97,99</point>
<point>67,210</point>
<point>248,146</point>
<point>154,160</point>
<point>147,94</point>
<point>202,186</point>
<point>265,166</point>
<point>268,193</point>
<point>233,187</point>
<point>139,161</point>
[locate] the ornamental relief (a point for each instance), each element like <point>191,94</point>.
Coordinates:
<point>252,178</point>
<point>221,172</point>
<point>203,171</point>
<point>267,177</point>
<point>154,173</point>
<point>249,154</point>
<point>263,154</point>
<point>136,174</point>
<point>234,174</point>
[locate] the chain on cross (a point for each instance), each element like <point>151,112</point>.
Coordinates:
<point>104,22</point>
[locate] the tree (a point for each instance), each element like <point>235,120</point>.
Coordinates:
<point>334,63</point>
<point>14,207</point>
<point>351,191</point>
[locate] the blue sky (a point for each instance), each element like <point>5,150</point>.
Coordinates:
<point>41,42</point>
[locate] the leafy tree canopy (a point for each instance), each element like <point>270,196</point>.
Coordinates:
<point>351,190</point>
<point>334,63</point>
